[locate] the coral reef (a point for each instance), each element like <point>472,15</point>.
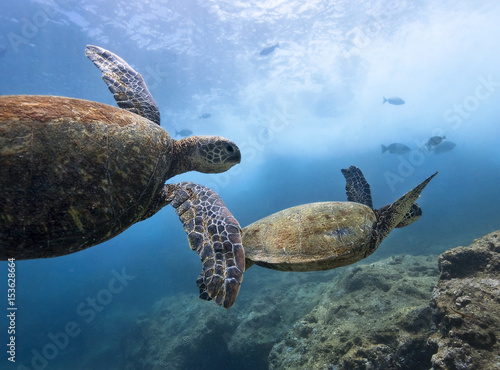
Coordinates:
<point>405,312</point>
<point>371,318</point>
<point>457,329</point>
<point>466,306</point>
<point>184,332</point>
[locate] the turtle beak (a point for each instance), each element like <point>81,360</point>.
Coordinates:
<point>237,156</point>
<point>233,154</point>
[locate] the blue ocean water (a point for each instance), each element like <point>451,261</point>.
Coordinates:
<point>299,114</point>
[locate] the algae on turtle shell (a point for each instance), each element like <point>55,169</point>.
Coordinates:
<point>326,235</point>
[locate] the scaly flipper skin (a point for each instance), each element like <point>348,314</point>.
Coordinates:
<point>357,188</point>
<point>212,230</point>
<point>128,86</point>
<point>411,216</point>
<point>215,235</point>
<point>394,214</point>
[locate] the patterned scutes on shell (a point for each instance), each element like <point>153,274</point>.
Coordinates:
<point>74,173</point>
<point>310,237</point>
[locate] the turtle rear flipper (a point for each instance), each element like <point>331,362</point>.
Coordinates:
<point>357,188</point>
<point>393,215</point>
<point>411,216</point>
<point>128,86</point>
<point>215,235</point>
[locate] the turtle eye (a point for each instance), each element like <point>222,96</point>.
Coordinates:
<point>229,148</point>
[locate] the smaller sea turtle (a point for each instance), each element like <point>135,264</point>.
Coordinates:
<point>326,235</point>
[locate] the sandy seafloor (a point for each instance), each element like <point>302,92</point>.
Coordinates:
<point>299,115</point>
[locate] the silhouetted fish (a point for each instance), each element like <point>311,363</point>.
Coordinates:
<point>444,147</point>
<point>269,49</point>
<point>396,148</point>
<point>393,100</point>
<point>205,116</point>
<point>435,140</point>
<point>185,132</point>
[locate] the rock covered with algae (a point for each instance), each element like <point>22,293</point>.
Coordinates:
<point>368,319</point>
<point>183,332</point>
<point>405,312</point>
<point>466,306</point>
<point>383,324</point>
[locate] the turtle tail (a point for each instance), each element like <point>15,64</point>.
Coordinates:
<point>215,235</point>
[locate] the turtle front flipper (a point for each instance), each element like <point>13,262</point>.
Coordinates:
<point>215,235</point>
<point>128,86</point>
<point>396,214</point>
<point>357,188</point>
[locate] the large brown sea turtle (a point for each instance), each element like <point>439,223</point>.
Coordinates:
<point>326,235</point>
<point>75,173</point>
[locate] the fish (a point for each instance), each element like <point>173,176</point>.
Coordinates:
<point>396,148</point>
<point>435,140</point>
<point>205,116</point>
<point>269,49</point>
<point>444,147</point>
<point>393,100</point>
<point>184,132</point>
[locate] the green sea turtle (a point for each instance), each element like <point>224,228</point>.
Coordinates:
<point>326,235</point>
<point>75,173</point>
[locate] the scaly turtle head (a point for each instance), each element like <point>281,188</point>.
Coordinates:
<point>206,154</point>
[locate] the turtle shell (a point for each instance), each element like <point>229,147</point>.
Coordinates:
<point>310,237</point>
<point>74,173</point>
